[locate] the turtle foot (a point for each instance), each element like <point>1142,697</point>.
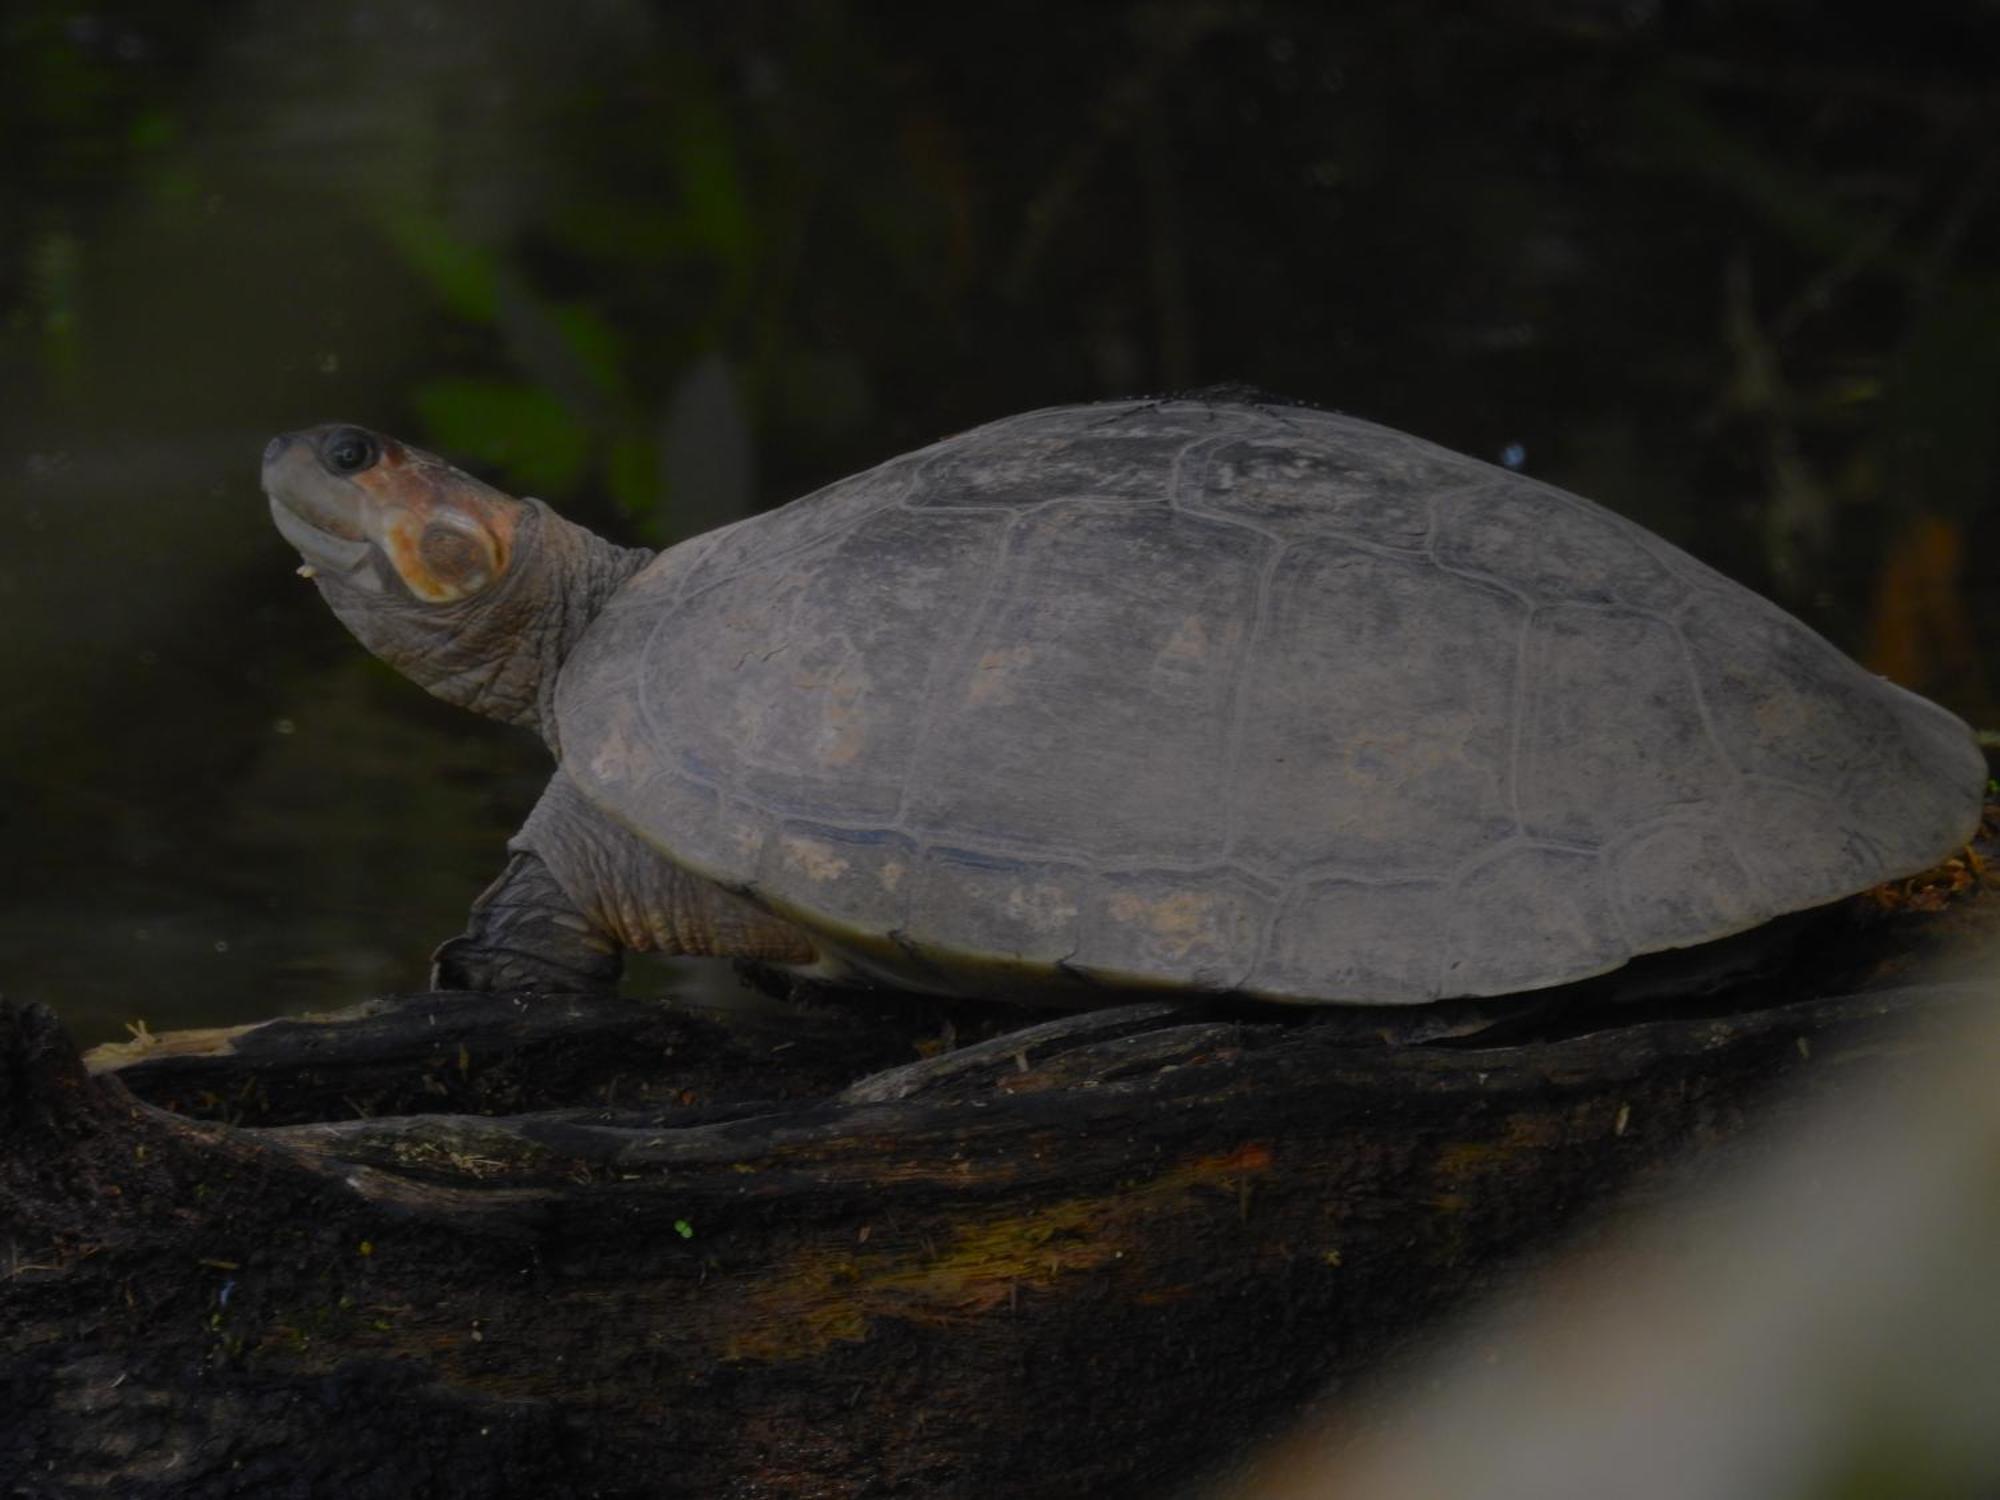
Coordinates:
<point>466,964</point>
<point>526,935</point>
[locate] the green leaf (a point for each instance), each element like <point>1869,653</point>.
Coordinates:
<point>155,130</point>
<point>633,474</point>
<point>711,187</point>
<point>465,277</point>
<point>595,344</point>
<point>526,432</point>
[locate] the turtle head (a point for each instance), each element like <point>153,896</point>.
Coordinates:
<point>475,594</point>
<point>381,518</point>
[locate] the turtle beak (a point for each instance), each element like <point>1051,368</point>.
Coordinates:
<point>318,513</point>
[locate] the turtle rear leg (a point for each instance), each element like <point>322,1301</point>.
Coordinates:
<point>526,934</point>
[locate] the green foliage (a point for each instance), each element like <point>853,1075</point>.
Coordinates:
<point>715,216</point>
<point>518,428</point>
<point>589,339</point>
<point>575,406</point>
<point>687,218</point>
<point>1799,204</point>
<point>1882,1455</point>
<point>153,130</point>
<point>579,403</point>
<point>632,472</point>
<point>465,278</point>
<point>54,294</point>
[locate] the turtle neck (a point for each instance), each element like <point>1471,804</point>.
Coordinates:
<point>500,652</point>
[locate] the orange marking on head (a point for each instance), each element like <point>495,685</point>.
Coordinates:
<point>448,535</point>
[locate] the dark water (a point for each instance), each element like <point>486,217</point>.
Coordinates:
<point>1734,270</point>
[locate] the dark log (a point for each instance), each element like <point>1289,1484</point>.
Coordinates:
<point>490,1246</point>
<point>1822,1320</point>
<point>499,1054</point>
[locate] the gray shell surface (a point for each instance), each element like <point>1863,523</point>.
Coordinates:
<point>1261,699</point>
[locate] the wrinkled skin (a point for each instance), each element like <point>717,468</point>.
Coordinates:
<point>480,597</point>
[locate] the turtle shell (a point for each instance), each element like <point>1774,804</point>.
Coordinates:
<point>1243,698</point>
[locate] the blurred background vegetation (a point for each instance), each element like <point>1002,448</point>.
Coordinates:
<point>1732,268</point>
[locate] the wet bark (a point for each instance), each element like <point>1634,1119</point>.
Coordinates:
<point>448,1244</point>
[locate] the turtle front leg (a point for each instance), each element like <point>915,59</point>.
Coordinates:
<point>526,934</point>
<point>579,889</point>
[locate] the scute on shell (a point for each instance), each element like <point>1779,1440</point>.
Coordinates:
<point>1247,698</point>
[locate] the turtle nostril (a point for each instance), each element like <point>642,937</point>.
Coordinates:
<point>276,446</point>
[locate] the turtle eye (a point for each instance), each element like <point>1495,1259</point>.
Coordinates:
<point>349,450</point>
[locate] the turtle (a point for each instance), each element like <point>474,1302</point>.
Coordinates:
<point>1133,698</point>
